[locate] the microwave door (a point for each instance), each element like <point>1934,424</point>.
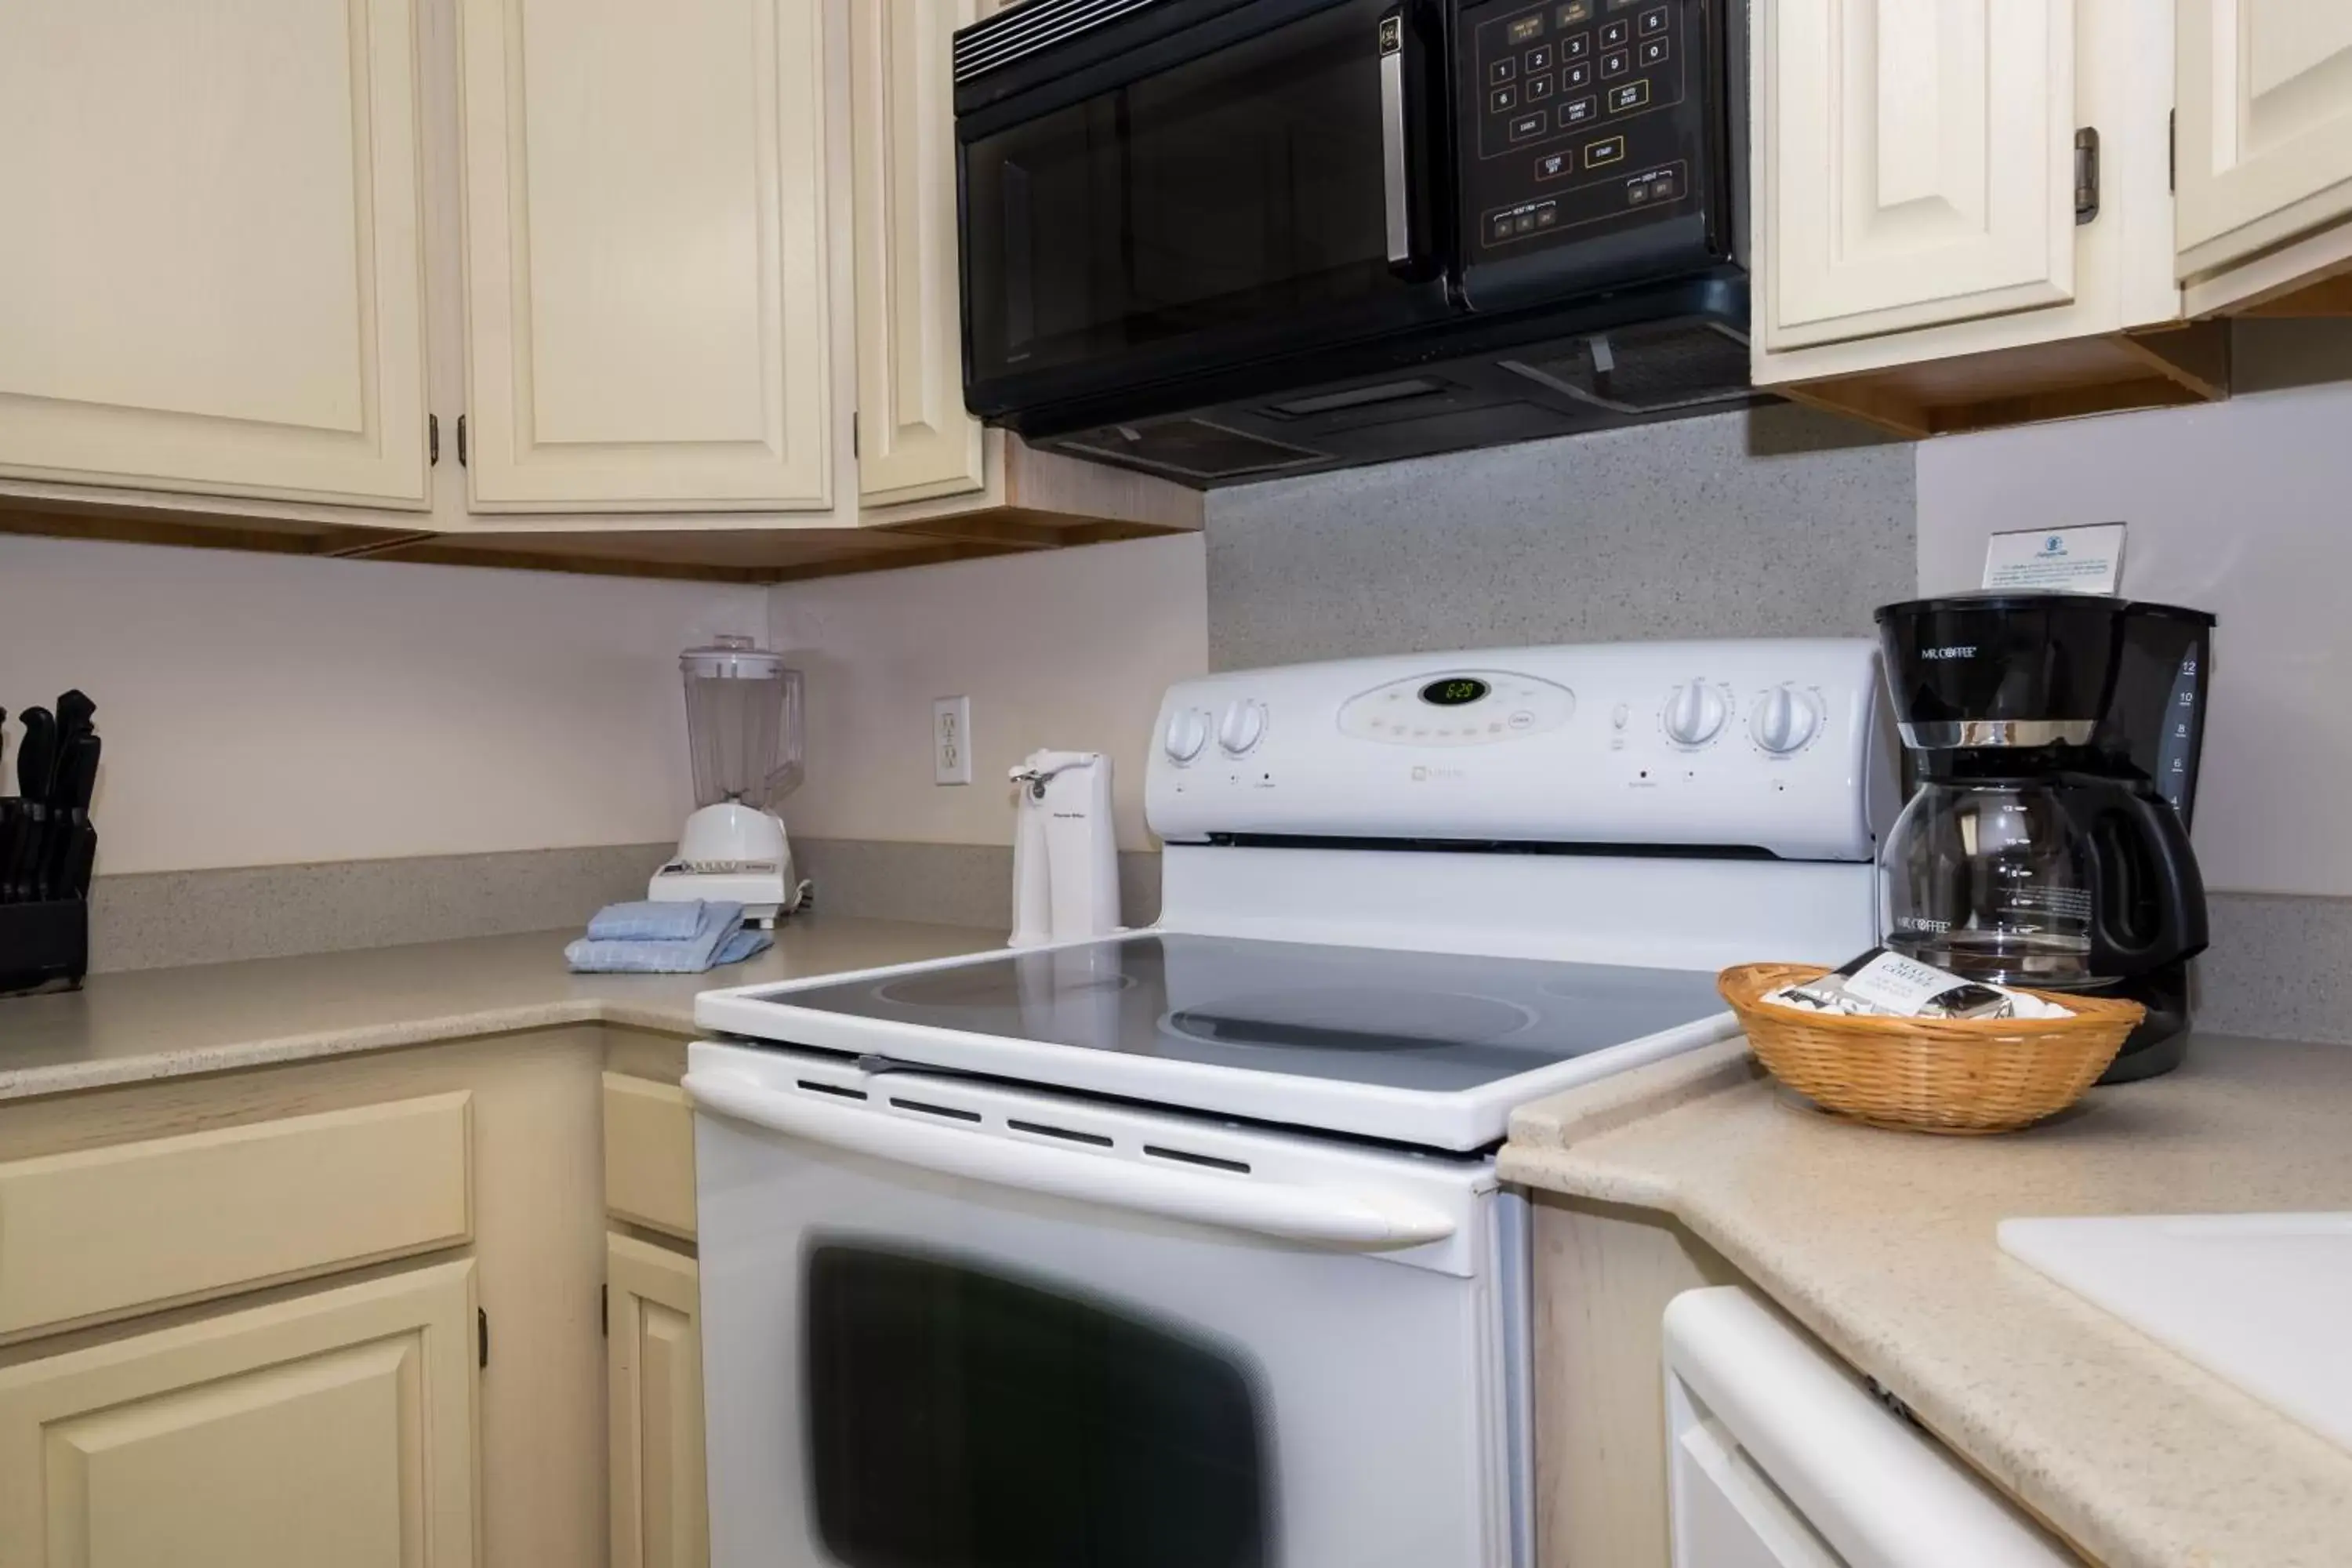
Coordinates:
<point>1239,191</point>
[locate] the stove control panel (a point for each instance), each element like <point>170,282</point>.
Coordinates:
<point>1777,744</point>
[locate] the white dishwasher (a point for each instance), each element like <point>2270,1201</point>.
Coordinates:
<point>1778,1457</point>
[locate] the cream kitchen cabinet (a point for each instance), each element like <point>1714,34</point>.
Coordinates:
<point>916,441</point>
<point>648,308</point>
<point>518,282</point>
<point>653,1309</point>
<point>330,1428</point>
<point>2264,151</point>
<point>1916,166</point>
<point>1961,211</point>
<point>661,1516</point>
<point>213,279</point>
<point>335,1311</point>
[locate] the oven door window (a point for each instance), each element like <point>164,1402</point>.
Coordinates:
<point>959,1418</point>
<point>1239,190</point>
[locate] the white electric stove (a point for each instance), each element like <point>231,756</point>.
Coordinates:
<point>1185,1246</point>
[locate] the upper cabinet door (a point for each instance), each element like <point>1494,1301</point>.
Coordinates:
<point>1915,159</point>
<point>2264,144</point>
<point>916,440</point>
<point>646,314</point>
<point>213,272</point>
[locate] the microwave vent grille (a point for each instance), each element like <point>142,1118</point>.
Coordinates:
<point>1190,449</point>
<point>1646,370</point>
<point>1025,29</point>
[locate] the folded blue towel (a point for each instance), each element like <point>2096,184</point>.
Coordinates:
<point>646,921</point>
<point>716,936</point>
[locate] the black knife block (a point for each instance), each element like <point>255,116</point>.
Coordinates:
<point>44,946</point>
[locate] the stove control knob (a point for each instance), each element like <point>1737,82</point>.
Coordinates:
<point>1695,713</point>
<point>1241,727</point>
<point>1786,720</point>
<point>1188,733</point>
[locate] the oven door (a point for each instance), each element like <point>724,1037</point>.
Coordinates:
<point>1197,186</point>
<point>948,1324</point>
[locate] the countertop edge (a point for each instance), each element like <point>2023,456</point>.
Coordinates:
<point>114,1072</point>
<point>1567,1119</point>
<point>2035,1480</point>
<point>206,1020</point>
<point>1569,1174</point>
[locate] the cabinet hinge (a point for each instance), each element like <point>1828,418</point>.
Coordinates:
<point>433,440</point>
<point>482,1334</point>
<point>2171,149</point>
<point>461,441</point>
<point>605,1311</point>
<point>853,433</point>
<point>2086,173</point>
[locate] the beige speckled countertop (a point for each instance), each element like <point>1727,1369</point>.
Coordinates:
<point>1882,1243</point>
<point>166,1023</point>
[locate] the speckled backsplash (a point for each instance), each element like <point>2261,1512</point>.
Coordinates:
<point>1774,522</point>
<point>162,918</point>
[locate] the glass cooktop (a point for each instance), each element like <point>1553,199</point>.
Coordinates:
<point>1420,1021</point>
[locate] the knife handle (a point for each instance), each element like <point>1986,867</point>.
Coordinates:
<point>36,754</point>
<point>75,711</point>
<point>32,847</point>
<point>76,774</point>
<point>81,858</point>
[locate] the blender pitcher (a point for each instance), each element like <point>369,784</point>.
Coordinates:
<point>744,740</point>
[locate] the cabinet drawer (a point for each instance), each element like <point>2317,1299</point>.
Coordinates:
<point>103,1232</point>
<point>648,1153</point>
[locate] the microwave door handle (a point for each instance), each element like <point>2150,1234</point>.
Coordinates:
<point>1395,169</point>
<point>1374,1221</point>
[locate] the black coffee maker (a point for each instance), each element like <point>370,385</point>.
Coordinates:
<point>2056,737</point>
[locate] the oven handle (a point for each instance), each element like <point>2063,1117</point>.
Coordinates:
<point>1376,1221</point>
<point>1395,175</point>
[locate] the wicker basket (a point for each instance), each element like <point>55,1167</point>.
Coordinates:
<point>1929,1075</point>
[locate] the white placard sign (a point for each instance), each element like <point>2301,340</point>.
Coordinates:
<point>2085,559</point>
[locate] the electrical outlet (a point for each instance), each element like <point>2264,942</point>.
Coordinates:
<point>951,740</point>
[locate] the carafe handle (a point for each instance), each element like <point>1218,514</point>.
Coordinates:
<point>2180,928</point>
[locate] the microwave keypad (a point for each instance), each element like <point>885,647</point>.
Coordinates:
<point>1585,132</point>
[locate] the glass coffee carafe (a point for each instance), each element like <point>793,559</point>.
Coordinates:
<point>2066,882</point>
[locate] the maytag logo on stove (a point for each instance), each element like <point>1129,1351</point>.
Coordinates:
<point>1966,650</point>
<point>1424,774</point>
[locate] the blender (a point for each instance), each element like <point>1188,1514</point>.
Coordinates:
<point>743,731</point>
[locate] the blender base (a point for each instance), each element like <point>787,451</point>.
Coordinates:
<point>731,854</point>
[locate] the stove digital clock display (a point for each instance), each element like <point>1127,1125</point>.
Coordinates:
<point>1458,692</point>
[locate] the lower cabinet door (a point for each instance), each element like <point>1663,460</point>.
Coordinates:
<point>660,1511</point>
<point>331,1428</point>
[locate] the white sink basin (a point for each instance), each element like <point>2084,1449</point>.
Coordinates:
<point>2262,1300</point>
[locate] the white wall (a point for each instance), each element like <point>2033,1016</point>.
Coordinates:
<point>1069,649</point>
<point>265,709</point>
<point>2243,509</point>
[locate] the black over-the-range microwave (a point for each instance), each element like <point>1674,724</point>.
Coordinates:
<point>1223,240</point>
